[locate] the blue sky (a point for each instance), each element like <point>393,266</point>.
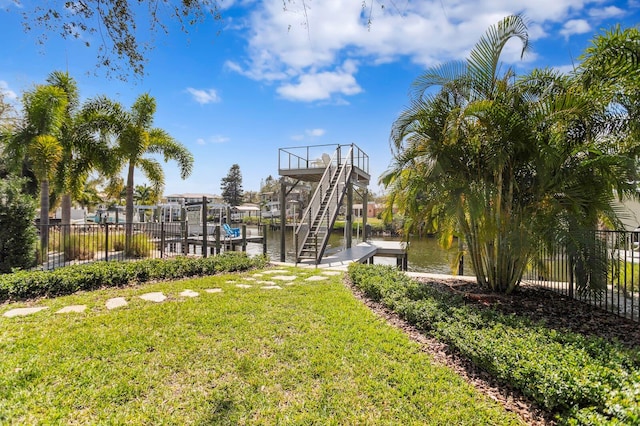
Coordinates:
<point>265,77</point>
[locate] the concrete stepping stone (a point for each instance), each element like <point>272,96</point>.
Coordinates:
<point>116,302</point>
<point>331,273</point>
<point>250,278</point>
<point>21,312</point>
<point>276,271</point>
<point>316,278</point>
<point>189,293</point>
<point>256,275</point>
<point>267,282</point>
<point>213,290</point>
<point>72,308</point>
<point>271,287</point>
<point>156,296</point>
<point>284,277</point>
<point>243,285</point>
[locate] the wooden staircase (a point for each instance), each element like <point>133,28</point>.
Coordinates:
<point>312,234</point>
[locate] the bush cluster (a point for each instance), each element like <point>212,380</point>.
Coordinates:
<point>585,380</point>
<point>90,276</point>
<point>17,233</point>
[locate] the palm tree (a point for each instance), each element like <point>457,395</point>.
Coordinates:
<point>145,195</point>
<point>502,161</point>
<point>136,137</point>
<point>37,138</point>
<point>73,167</point>
<point>89,196</point>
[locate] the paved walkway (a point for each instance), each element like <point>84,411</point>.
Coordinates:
<point>271,279</point>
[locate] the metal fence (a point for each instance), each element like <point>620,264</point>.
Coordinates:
<point>603,270</point>
<point>72,244</point>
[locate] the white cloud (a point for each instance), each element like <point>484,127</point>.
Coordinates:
<point>565,69</point>
<point>606,13</point>
<point>315,132</point>
<point>204,96</point>
<point>575,26</point>
<point>215,139</point>
<point>305,50</point>
<point>8,94</point>
<point>322,85</point>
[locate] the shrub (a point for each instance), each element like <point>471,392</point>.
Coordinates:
<point>90,276</point>
<point>77,247</point>
<point>586,380</point>
<point>17,233</point>
<point>140,247</point>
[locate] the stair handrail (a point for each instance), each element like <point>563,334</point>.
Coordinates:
<point>333,205</point>
<point>334,192</point>
<point>316,200</point>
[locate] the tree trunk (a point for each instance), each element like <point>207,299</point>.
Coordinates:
<point>44,219</point>
<point>65,206</point>
<point>128,226</point>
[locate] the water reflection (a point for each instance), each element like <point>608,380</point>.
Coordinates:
<point>425,255</point>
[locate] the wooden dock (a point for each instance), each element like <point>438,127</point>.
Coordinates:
<point>364,253</point>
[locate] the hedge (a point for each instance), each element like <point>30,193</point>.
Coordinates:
<point>584,380</point>
<point>90,276</point>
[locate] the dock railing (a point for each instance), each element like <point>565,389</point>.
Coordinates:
<point>91,242</point>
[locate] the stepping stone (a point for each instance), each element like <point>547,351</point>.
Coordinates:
<point>256,275</point>
<point>189,293</point>
<point>284,277</point>
<point>331,273</point>
<point>316,278</point>
<point>21,312</point>
<point>154,297</point>
<point>250,278</point>
<point>276,271</point>
<point>271,287</point>
<point>213,290</point>
<point>116,302</point>
<point>267,282</point>
<point>72,308</point>
<point>243,285</point>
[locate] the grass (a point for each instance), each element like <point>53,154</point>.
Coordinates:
<point>307,354</point>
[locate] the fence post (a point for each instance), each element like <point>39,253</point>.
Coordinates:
<point>571,277</point>
<point>162,239</point>
<point>204,226</point>
<point>244,238</point>
<point>106,241</point>
<point>218,239</point>
<point>185,233</point>
<point>264,239</point>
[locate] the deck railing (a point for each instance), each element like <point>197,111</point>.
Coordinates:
<point>320,156</point>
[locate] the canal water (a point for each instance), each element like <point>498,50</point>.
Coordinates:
<point>425,255</point>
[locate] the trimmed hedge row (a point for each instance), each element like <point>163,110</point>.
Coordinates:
<point>90,276</point>
<point>586,380</point>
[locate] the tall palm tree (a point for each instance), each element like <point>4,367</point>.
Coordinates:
<point>37,138</point>
<point>135,138</point>
<point>67,170</point>
<point>83,151</point>
<point>501,161</point>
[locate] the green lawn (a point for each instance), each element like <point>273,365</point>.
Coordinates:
<point>307,354</point>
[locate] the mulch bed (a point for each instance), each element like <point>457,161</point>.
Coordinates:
<point>555,310</point>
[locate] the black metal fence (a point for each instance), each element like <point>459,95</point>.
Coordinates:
<point>603,270</point>
<point>71,244</point>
